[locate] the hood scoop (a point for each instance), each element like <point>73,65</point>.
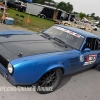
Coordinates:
<point>20,55</point>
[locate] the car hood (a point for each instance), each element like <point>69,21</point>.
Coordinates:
<point>15,46</point>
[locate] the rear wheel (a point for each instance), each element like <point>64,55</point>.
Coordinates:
<point>49,81</point>
<point>95,29</point>
<point>23,10</point>
<point>16,9</point>
<point>43,17</point>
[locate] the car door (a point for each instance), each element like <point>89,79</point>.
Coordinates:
<point>90,58</point>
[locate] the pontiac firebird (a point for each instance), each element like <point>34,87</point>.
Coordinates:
<point>43,59</point>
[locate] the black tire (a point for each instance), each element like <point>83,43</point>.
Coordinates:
<point>39,16</point>
<point>98,67</point>
<point>16,9</point>
<point>95,29</point>
<point>43,17</point>
<point>23,10</point>
<point>49,81</point>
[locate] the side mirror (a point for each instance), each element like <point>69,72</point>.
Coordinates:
<point>87,50</point>
<point>43,30</point>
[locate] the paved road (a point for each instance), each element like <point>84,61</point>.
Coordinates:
<point>97,32</point>
<point>3,27</point>
<point>83,85</point>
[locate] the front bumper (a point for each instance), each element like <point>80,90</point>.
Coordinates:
<point>6,74</point>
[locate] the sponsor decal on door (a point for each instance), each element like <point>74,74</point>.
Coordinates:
<point>90,59</point>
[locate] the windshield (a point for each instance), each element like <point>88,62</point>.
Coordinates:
<point>71,39</point>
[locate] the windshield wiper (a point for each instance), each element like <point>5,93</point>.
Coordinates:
<point>46,36</point>
<point>60,41</point>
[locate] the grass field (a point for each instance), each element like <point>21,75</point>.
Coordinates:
<point>36,24</point>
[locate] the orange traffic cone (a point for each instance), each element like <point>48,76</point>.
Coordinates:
<point>28,20</point>
<point>3,17</point>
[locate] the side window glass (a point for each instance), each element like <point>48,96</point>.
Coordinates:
<point>92,43</point>
<point>88,44</point>
<point>98,44</point>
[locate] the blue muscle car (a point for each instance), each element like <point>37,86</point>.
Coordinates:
<point>43,59</point>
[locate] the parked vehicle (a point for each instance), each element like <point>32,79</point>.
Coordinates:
<point>2,7</point>
<point>43,59</point>
<point>18,5</point>
<point>95,28</point>
<point>78,24</point>
<point>22,7</point>
<point>48,12</point>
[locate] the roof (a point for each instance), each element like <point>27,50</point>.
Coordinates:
<point>51,7</point>
<point>44,6</point>
<point>80,31</point>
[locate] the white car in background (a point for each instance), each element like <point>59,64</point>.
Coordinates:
<point>95,28</point>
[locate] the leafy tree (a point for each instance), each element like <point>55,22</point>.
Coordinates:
<point>65,6</point>
<point>93,14</point>
<point>87,15</point>
<point>41,1</point>
<point>75,12</point>
<point>81,15</point>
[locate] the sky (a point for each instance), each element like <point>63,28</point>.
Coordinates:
<point>86,6</point>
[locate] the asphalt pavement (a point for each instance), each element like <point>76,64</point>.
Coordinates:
<point>84,85</point>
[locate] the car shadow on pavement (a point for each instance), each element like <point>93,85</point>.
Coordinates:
<point>67,78</point>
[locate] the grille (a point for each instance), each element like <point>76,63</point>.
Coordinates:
<point>3,61</point>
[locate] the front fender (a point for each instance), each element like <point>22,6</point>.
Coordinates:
<point>29,73</point>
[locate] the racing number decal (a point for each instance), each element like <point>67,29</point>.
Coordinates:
<point>90,59</point>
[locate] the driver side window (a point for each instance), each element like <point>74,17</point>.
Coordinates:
<point>92,44</point>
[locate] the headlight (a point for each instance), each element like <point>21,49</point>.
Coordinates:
<point>10,68</point>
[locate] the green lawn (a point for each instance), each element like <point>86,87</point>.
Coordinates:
<point>36,24</point>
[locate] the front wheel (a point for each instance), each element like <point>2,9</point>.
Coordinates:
<point>49,81</point>
<point>39,16</point>
<point>98,67</point>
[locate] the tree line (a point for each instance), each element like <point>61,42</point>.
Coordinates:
<point>81,15</point>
